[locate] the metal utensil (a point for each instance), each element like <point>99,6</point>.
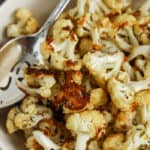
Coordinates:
<point>19,52</point>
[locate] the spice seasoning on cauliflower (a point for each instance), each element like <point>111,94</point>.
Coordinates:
<point>93,92</point>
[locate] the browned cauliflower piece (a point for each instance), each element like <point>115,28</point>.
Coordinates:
<point>39,82</point>
<point>72,95</point>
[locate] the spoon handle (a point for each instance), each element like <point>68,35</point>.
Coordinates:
<point>53,16</point>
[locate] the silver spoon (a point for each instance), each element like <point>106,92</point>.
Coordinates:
<point>20,52</point>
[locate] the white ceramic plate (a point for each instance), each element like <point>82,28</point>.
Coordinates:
<point>40,9</point>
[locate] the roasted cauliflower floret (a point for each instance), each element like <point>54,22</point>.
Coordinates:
<point>86,125</point>
<point>143,50</point>
<point>96,33</point>
<point>123,77</point>
<point>40,82</point>
<point>124,20</point>
<point>23,14</point>
<point>10,125</point>
<point>93,145</point>
<point>108,116</point>
<point>98,6</point>
<point>125,37</point>
<point>87,6</point>
<point>147,70</point>
<point>68,145</point>
<point>85,26</point>
<point>145,8</point>
<point>143,99</point>
<point>98,97</point>
<point>141,30</point>
<point>62,29</point>
<point>124,120</point>
<point>59,52</point>
<point>52,131</point>
<point>137,137</point>
<point>60,63</point>
<point>117,5</point>
<point>124,97</point>
<point>25,121</point>
<point>103,66</point>
<point>27,115</point>
<point>143,67</point>
<point>114,142</point>
<point>85,45</point>
<point>72,96</point>
<point>44,141</point>
<point>25,24</point>
<point>31,144</point>
<point>13,30</point>
<point>31,26</point>
<point>55,130</point>
<point>36,76</point>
